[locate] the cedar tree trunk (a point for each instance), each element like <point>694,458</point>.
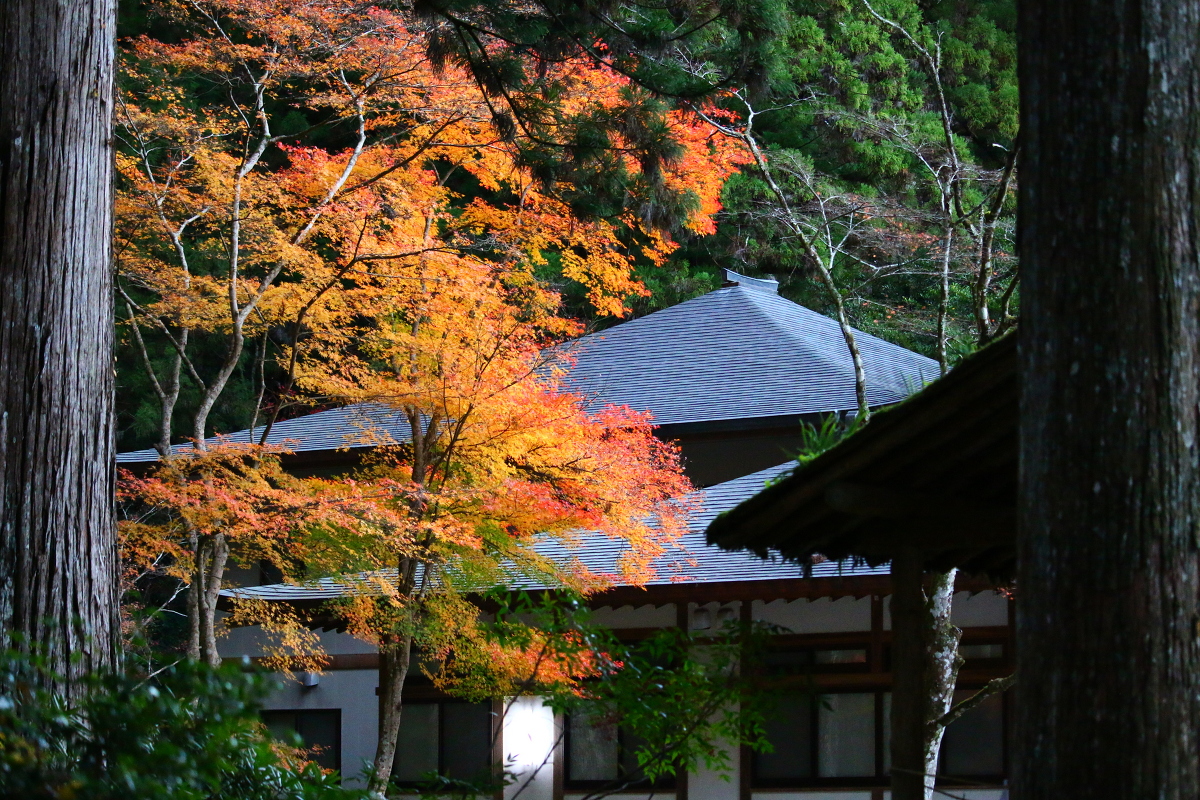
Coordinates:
<point>1107,623</point>
<point>58,565</point>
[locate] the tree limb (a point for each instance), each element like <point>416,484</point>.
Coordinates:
<point>992,687</point>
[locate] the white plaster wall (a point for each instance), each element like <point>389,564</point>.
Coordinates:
<point>337,644</point>
<point>351,690</point>
<point>707,784</point>
<point>529,737</point>
<point>731,612</point>
<point>646,616</point>
<point>250,641</point>
<point>979,610</point>
<point>983,609</point>
<point>816,616</point>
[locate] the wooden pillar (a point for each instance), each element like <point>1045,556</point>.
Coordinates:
<point>908,676</point>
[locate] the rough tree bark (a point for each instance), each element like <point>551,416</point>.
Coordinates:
<point>924,667</point>
<point>58,573</point>
<point>395,659</point>
<point>1109,699</point>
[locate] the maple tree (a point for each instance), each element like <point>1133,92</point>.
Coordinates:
<point>285,153</point>
<point>298,168</point>
<point>289,169</point>
<point>497,462</point>
<point>190,514</point>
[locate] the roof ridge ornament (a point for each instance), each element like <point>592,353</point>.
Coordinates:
<point>768,284</point>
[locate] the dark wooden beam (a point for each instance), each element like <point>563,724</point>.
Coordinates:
<point>952,442</point>
<point>861,499</point>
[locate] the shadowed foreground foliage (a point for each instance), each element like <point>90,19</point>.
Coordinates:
<point>189,732</point>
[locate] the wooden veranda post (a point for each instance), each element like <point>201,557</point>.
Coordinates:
<point>924,667</point>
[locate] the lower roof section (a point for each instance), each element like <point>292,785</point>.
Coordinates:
<point>937,473</point>
<point>688,564</point>
<point>361,425</point>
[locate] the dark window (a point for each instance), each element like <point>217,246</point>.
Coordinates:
<point>790,731</point>
<point>801,661</point>
<point>823,740</point>
<point>449,738</point>
<point>600,751</point>
<point>268,573</point>
<point>973,745</point>
<point>846,736</point>
<point>843,739</point>
<point>983,654</point>
<point>593,749</point>
<point>320,731</point>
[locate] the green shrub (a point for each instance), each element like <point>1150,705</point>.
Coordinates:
<point>189,732</point>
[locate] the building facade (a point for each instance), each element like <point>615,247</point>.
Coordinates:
<point>729,376</point>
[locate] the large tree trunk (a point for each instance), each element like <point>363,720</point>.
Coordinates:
<point>58,573</point>
<point>924,670</point>
<point>1109,700</point>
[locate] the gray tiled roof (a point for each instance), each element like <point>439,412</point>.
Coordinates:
<point>739,352</point>
<point>692,561</point>
<point>324,430</point>
<point>928,449</point>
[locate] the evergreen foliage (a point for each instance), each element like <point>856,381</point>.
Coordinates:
<point>189,732</point>
<point>854,116</point>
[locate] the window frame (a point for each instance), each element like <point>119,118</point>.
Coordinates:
<point>814,667</point>
<point>874,780</point>
<point>1006,721</point>
<point>337,727</point>
<point>441,703</point>
<point>873,677</point>
<point>881,777</point>
<point>668,783</point>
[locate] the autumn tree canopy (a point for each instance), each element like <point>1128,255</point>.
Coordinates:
<point>284,157</point>
<point>308,184</point>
